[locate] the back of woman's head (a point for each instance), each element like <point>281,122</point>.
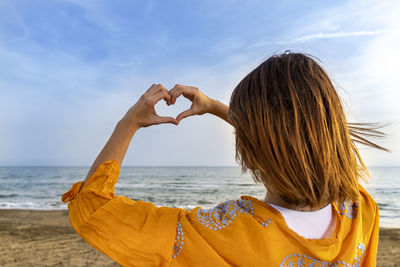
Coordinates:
<point>291,132</point>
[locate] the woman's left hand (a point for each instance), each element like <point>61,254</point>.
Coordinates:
<point>143,114</point>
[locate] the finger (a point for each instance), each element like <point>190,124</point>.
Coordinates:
<point>186,91</point>
<point>162,95</point>
<point>174,88</point>
<point>151,89</point>
<point>160,89</point>
<point>155,88</point>
<point>185,114</point>
<point>179,90</point>
<point>160,120</point>
<point>173,91</point>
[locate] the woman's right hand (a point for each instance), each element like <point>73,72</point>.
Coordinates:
<point>200,102</point>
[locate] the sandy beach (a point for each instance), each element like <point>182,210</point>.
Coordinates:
<point>46,238</point>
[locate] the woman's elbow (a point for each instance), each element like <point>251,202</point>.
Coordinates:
<point>82,207</point>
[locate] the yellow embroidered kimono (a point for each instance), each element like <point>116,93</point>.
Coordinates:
<point>242,232</point>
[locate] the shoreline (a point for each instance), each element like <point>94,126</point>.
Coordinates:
<point>27,236</point>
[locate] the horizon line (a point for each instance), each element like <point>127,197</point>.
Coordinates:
<point>154,166</point>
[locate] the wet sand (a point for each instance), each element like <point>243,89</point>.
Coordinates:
<point>46,238</point>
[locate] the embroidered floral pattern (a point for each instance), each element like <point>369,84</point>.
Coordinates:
<point>348,208</point>
<point>357,257</point>
<point>223,214</point>
<point>178,240</point>
<point>302,260</point>
<point>266,222</point>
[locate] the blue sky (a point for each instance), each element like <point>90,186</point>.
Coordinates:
<point>69,70</point>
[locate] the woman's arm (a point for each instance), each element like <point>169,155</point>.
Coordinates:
<point>201,103</point>
<point>220,110</point>
<point>116,146</point>
<point>142,114</point>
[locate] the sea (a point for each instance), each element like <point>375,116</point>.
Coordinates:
<point>40,188</point>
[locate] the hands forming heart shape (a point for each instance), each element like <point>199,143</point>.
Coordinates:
<point>143,114</point>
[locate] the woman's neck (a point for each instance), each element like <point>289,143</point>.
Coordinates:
<point>275,199</point>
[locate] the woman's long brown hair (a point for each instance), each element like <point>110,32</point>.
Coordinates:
<point>291,132</point>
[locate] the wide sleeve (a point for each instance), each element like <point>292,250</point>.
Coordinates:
<point>370,224</point>
<point>371,251</point>
<point>133,233</point>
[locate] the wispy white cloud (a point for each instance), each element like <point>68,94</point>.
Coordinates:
<point>324,35</point>
<point>339,34</point>
<point>10,15</point>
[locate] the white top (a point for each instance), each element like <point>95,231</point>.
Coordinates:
<point>309,224</point>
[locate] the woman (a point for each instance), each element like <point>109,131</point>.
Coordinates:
<point>291,133</point>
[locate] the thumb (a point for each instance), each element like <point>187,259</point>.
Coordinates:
<point>160,120</point>
<point>185,114</point>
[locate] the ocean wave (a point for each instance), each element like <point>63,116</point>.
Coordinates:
<point>9,195</point>
<point>33,205</point>
<point>201,202</point>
